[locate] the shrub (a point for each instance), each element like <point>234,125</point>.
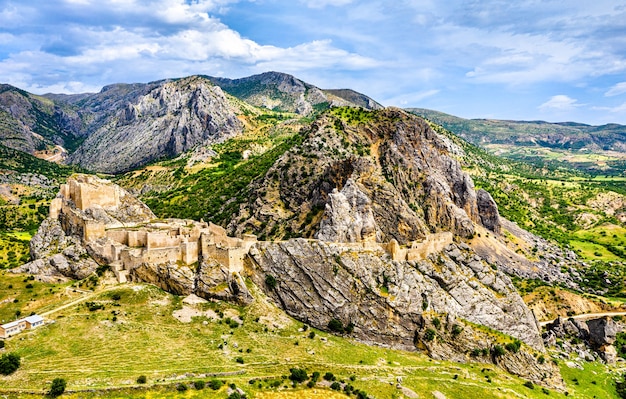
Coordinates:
<point>9,363</point>
<point>437,323</point>
<point>513,346</point>
<point>234,395</point>
<point>529,384</point>
<point>141,379</point>
<point>336,326</point>
<point>239,360</point>
<point>270,281</point>
<point>497,351</point>
<point>199,384</point>
<point>456,330</point>
<point>181,387</point>
<point>215,384</point>
<point>298,375</point>
<point>312,334</point>
<point>57,388</point>
<point>335,386</point>
<point>430,334</point>
<point>329,376</point>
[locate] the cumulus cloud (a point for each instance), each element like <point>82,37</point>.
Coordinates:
<point>560,102</point>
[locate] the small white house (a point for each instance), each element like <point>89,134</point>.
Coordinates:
<point>33,321</point>
<point>17,326</point>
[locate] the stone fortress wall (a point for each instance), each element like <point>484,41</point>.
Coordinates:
<point>126,246</point>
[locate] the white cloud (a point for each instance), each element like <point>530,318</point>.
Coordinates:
<point>616,90</point>
<point>324,3</point>
<point>560,102</point>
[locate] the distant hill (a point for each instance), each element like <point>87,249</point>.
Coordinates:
<point>577,144</point>
<point>283,92</point>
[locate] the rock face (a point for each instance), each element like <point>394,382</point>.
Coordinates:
<point>488,210</point>
<point>392,166</point>
<point>393,303</point>
<point>349,217</point>
<point>590,339</point>
<point>385,299</point>
<point>171,118</point>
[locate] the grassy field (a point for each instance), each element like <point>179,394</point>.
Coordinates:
<point>135,333</point>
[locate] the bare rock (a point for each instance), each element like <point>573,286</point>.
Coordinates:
<point>348,216</point>
<point>488,211</point>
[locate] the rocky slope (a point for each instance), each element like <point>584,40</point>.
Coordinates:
<point>31,123</point>
<point>280,91</point>
<point>163,122</point>
<point>400,174</point>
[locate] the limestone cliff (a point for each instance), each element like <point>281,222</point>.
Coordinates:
<point>381,174</point>
<point>394,302</point>
<point>172,117</point>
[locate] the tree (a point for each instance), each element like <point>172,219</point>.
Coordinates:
<point>57,388</point>
<point>9,363</point>
<point>142,379</point>
<point>298,375</point>
<point>270,281</point>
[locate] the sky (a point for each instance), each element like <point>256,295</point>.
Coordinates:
<point>553,60</point>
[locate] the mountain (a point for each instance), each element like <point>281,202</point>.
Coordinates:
<point>126,126</point>
<point>151,122</point>
<point>34,124</point>
<point>283,92</point>
<point>543,142</point>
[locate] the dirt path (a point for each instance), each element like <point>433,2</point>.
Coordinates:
<point>586,316</point>
<point>77,301</point>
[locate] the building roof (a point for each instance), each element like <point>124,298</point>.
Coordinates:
<point>33,319</point>
<point>11,324</point>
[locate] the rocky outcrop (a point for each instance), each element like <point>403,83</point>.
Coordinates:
<point>385,299</point>
<point>590,340</point>
<point>55,254</point>
<point>171,118</point>
<point>396,168</point>
<point>348,217</point>
<point>488,211</point>
<point>393,303</point>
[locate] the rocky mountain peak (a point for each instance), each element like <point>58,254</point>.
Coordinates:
<point>161,120</point>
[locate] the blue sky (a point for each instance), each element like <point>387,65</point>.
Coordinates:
<point>527,59</point>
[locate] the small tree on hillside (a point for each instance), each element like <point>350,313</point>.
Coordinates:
<point>57,388</point>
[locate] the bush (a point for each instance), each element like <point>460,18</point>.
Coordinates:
<point>181,387</point>
<point>436,322</point>
<point>9,363</point>
<point>513,346</point>
<point>312,334</point>
<point>335,386</point>
<point>298,375</point>
<point>270,281</point>
<point>234,395</point>
<point>215,384</point>
<point>430,334</point>
<point>141,379</point>
<point>57,388</point>
<point>336,326</point>
<point>199,384</point>
<point>239,360</point>
<point>529,384</point>
<point>329,376</point>
<point>456,330</point>
<point>497,351</point>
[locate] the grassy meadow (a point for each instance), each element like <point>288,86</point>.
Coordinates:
<point>102,340</point>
